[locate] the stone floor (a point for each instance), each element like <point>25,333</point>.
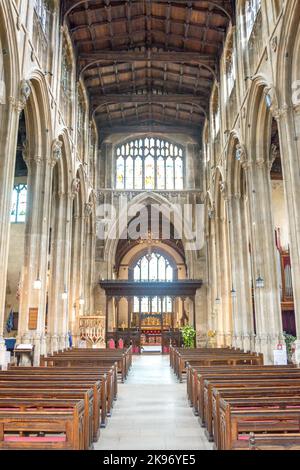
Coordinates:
<point>152,412</point>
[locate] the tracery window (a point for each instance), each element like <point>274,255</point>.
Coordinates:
<point>65,72</point>
<point>252,8</point>
<point>153,305</point>
<point>149,163</point>
<point>153,267</point>
<point>230,74</point>
<point>19,204</point>
<point>42,10</point>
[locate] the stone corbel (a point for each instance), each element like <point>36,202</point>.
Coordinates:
<point>88,209</point>
<point>75,187</point>
<point>56,153</point>
<point>270,93</point>
<point>25,92</point>
<point>241,154</point>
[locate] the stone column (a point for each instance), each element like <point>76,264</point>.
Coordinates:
<point>288,120</point>
<point>36,247</point>
<point>237,286</point>
<point>57,307</point>
<point>219,310</point>
<point>267,300</point>
<point>225,291</point>
<point>9,126</point>
<point>66,268</point>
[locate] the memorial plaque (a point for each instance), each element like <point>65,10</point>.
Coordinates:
<point>33,318</point>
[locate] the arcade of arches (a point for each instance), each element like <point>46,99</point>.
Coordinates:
<point>150,172</point>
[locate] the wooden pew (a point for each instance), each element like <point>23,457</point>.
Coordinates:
<point>193,371</point>
<point>214,359</point>
<point>107,374</point>
<point>74,360</point>
<point>61,394</point>
<point>96,387</point>
<point>208,381</point>
<point>64,426</point>
<point>235,422</point>
<point>272,442</point>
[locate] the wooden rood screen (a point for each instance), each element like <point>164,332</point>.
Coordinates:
<point>61,406</point>
<point>241,403</point>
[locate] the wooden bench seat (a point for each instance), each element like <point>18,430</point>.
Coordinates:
<point>249,393</point>
<point>235,422</point>
<point>193,371</point>
<point>99,399</point>
<point>106,374</point>
<point>63,427</point>
<point>62,394</point>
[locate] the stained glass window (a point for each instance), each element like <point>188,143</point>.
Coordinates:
<point>149,173</point>
<point>120,173</point>
<point>153,267</point>
<point>149,163</point>
<point>19,204</point>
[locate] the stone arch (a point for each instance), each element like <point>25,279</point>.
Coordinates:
<point>9,53</point>
<point>258,112</point>
<point>146,199</point>
<point>236,158</point>
<point>288,64</point>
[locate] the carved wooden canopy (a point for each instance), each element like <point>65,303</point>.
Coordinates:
<point>148,62</point>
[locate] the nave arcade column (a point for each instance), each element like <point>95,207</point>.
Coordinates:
<point>241,288</point>
<point>223,301</point>
<point>34,275</point>
<point>9,124</point>
<point>288,121</point>
<point>266,297</point>
<point>59,271</point>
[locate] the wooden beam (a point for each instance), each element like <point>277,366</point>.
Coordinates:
<point>137,56</point>
<point>147,98</point>
<point>145,128</point>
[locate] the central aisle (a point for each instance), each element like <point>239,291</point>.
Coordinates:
<point>152,412</point>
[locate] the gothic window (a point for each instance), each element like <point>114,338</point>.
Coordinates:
<point>153,305</point>
<point>66,72</point>
<point>216,114</point>
<point>252,8</point>
<point>153,267</point>
<point>19,204</point>
<point>230,73</point>
<point>149,164</point>
<point>80,121</point>
<point>42,11</point>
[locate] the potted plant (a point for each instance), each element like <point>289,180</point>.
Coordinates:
<point>188,336</point>
<point>289,340</point>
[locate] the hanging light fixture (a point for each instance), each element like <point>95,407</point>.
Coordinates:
<point>64,295</point>
<point>233,293</point>
<point>37,285</point>
<point>260,283</point>
<point>218,300</point>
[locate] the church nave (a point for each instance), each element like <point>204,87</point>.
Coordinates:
<point>152,411</point>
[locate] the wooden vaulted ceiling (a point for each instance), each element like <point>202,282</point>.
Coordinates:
<point>148,64</point>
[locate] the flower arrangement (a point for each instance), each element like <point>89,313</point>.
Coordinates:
<point>188,336</point>
<point>211,333</point>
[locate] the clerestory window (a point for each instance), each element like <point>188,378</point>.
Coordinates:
<point>149,163</point>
